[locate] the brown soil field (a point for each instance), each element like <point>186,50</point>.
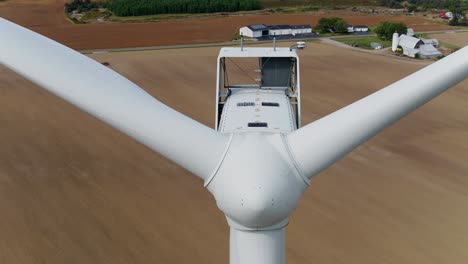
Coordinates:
<point>457,39</point>
<point>47,18</point>
<point>73,190</point>
<point>35,13</point>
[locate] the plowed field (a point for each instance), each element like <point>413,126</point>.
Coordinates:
<point>73,190</point>
<point>47,17</point>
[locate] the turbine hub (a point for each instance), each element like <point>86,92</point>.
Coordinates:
<point>257,185</point>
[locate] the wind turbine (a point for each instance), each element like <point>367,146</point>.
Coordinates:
<point>257,171</point>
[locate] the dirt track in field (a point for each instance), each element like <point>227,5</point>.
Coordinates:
<point>47,18</point>
<point>73,190</point>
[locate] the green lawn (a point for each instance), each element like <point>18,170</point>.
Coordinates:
<point>364,41</point>
<point>448,45</point>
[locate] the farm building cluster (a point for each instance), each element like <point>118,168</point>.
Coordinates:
<point>415,47</point>
<point>260,31</point>
<point>265,32</point>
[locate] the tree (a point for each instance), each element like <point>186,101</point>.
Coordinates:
<point>412,8</point>
<point>341,26</point>
<point>458,10</point>
<point>332,24</point>
<point>80,5</point>
<point>391,3</point>
<point>427,4</point>
<point>386,29</point>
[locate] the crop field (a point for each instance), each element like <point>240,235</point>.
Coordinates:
<point>455,39</point>
<point>47,17</point>
<point>73,190</point>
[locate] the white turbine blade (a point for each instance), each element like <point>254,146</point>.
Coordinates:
<point>321,143</point>
<point>111,98</point>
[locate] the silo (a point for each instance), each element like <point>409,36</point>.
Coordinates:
<point>395,41</point>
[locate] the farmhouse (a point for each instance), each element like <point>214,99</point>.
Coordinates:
<point>357,29</point>
<point>261,30</point>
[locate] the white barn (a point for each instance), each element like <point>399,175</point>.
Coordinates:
<point>254,31</point>
<point>414,46</point>
<point>289,29</point>
<point>410,45</point>
<point>260,30</point>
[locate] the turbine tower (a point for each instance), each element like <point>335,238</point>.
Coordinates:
<point>257,173</point>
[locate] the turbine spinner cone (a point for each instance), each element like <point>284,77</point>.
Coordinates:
<point>257,185</point>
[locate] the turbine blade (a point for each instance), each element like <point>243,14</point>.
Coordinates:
<point>321,143</point>
<point>111,98</point>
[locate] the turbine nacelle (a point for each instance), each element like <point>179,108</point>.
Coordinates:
<point>257,185</point>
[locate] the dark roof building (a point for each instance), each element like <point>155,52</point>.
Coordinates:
<point>273,27</point>
<point>258,27</point>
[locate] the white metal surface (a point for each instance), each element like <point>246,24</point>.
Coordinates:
<point>247,32</point>
<point>111,98</point>
<point>255,52</point>
<point>259,247</point>
<point>428,51</point>
<point>321,143</point>
<point>238,112</point>
<point>409,42</point>
<point>395,41</point>
<point>258,184</point>
<point>258,52</point>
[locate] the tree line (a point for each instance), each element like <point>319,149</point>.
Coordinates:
<point>80,5</point>
<point>153,7</point>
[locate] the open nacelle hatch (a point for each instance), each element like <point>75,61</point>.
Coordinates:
<point>258,68</point>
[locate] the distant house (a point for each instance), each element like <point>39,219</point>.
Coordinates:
<point>357,29</point>
<point>254,31</point>
<point>361,28</point>
<point>260,30</point>
<point>449,15</point>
